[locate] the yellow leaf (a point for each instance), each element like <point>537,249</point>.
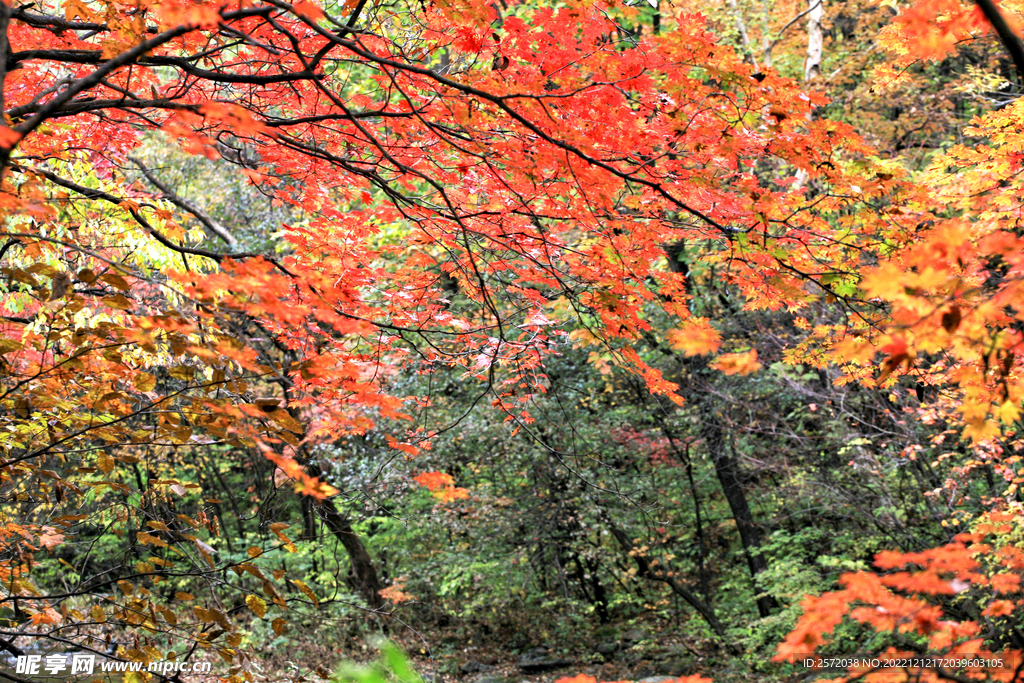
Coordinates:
<point>105,463</point>
<point>884,282</point>
<point>118,301</point>
<point>254,552</point>
<point>252,569</point>
<point>149,539</point>
<point>145,381</point>
<point>1009,412</point>
<point>77,9</point>
<point>306,590</point>
<point>257,605</point>
<point>183,372</point>
<point>981,430</point>
<point>282,418</point>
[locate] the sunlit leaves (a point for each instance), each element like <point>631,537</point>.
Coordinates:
<point>549,185</point>
<point>257,605</point>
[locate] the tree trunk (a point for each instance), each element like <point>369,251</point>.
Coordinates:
<point>364,574</point>
<point>308,518</point>
<point>728,476</point>
<point>812,67</point>
<point>684,456</point>
<point>815,39</point>
<point>741,29</point>
<point>702,546</point>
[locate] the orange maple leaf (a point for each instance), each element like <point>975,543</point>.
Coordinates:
<point>695,338</point>
<point>737,363</point>
<point>999,608</point>
<point>450,494</point>
<point>433,480</point>
<point>308,10</point>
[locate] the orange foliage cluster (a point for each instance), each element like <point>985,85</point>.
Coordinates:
<point>537,178</point>
<point>441,486</point>
<point>980,572</point>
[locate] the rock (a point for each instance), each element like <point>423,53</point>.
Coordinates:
<point>677,650</point>
<point>474,667</point>
<point>645,673</point>
<point>655,679</point>
<point>675,667</point>
<point>608,649</point>
<point>634,636</point>
<point>491,679</point>
<point>539,659</point>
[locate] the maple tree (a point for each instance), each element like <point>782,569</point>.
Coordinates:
<point>471,188</point>
<point>977,574</point>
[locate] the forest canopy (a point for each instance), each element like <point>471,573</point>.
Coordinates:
<point>600,339</point>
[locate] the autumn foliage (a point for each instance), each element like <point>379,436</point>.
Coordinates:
<point>474,186</point>
<point>919,601</point>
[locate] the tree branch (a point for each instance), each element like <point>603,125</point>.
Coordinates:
<point>5,46</point>
<point>200,214</point>
<point>92,193</point>
<point>125,58</point>
<point>1006,35</point>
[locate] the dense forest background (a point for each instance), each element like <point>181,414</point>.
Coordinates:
<point>596,526</point>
